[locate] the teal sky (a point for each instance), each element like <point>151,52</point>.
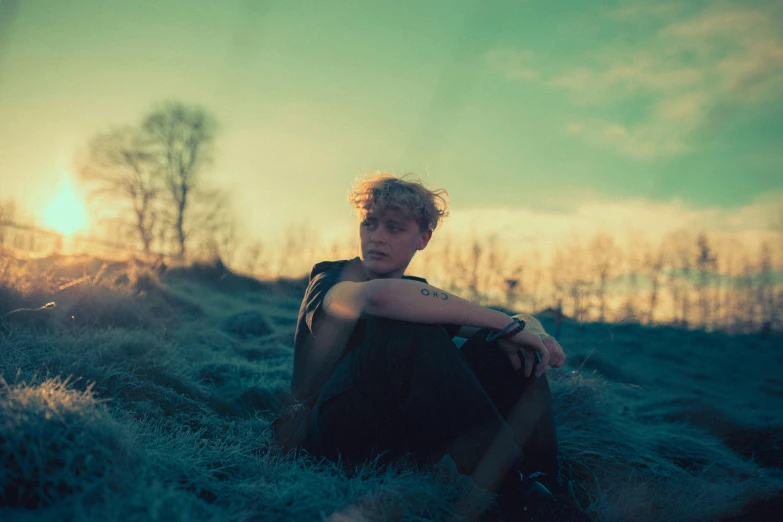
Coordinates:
<point>554,115</point>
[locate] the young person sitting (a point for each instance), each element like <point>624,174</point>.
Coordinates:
<point>376,372</point>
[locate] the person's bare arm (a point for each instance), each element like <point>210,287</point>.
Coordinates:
<point>532,324</point>
<point>414,301</point>
<point>408,300</point>
<point>318,356</point>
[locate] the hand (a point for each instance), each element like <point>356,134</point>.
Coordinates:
<point>557,355</point>
<point>532,344</point>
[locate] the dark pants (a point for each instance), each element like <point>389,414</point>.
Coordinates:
<point>408,391</point>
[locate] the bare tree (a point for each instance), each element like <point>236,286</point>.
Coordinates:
<point>7,215</point>
<point>7,210</point>
<point>706,261</point>
<point>569,277</point>
<point>514,285</point>
<point>473,271</point>
<point>728,269</point>
<point>748,306</point>
<point>680,259</point>
<point>450,276</point>
<point>766,289</point>
<point>212,228</point>
<point>121,166</point>
<point>458,274</point>
<point>634,270</point>
<point>580,287</point>
<point>653,267</point>
<point>604,257</point>
<point>535,277</point>
<point>560,277</point>
<point>254,260</point>
<point>494,270</point>
<point>297,253</point>
<point>182,138</point>
<point>777,291</point>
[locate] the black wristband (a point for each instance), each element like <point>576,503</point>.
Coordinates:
<point>511,333</point>
<point>510,330</point>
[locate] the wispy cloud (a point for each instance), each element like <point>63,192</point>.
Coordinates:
<point>627,220</point>
<point>685,74</point>
<point>514,64</point>
<point>645,9</point>
<point>651,139</point>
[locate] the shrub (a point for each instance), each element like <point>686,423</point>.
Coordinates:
<point>55,442</point>
<point>249,323</point>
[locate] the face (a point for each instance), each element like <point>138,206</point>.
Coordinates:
<point>389,241</point>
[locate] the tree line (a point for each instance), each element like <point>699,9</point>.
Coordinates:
<point>156,169</point>
<point>149,179</point>
<point>688,280</point>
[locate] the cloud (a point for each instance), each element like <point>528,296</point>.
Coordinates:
<point>513,64</point>
<point>686,74</point>
<point>639,10</point>
<point>728,23</point>
<point>685,107</point>
<point>649,140</point>
<point>582,213</point>
<point>740,51</point>
<point>625,76</point>
<point>627,220</point>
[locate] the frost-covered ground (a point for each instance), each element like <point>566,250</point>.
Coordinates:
<point>140,397</point>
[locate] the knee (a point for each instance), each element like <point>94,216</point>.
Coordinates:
<point>542,387</point>
<point>404,335</point>
<point>399,347</point>
<point>396,325</point>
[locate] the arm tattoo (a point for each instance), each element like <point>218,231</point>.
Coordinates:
<point>437,295</point>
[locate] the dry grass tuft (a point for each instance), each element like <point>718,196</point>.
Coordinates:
<point>189,367</point>
<point>55,442</point>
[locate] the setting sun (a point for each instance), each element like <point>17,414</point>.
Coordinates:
<point>65,213</point>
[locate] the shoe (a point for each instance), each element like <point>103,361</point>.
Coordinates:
<point>527,499</point>
<point>519,497</point>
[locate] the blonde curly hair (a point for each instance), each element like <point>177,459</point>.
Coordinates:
<point>407,194</point>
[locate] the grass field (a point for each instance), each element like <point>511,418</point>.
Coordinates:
<point>140,396</point>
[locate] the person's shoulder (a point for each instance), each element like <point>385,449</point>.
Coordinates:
<point>324,267</point>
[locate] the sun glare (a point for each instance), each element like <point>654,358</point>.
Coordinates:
<point>65,213</point>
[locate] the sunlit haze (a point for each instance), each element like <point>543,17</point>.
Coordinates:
<point>545,121</point>
<point>65,212</point>
<point>186,289</point>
